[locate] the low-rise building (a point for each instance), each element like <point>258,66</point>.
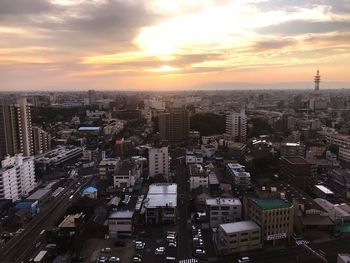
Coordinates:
<point>194,157</point>
<point>90,192</point>
<point>160,204</point>
<point>237,237</point>
<point>296,170</point>
<point>107,167</point>
<point>274,216</point>
<point>121,223</point>
<point>322,191</point>
<point>198,176</point>
<point>223,210</point>
<point>159,162</point>
<point>238,174</point>
<point>126,175</point>
<point>57,156</point>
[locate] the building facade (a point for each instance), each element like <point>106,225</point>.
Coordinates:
<point>236,126</point>
<point>174,126</point>
<point>41,140</point>
<point>223,210</point>
<point>17,177</point>
<point>298,171</point>
<point>15,128</point>
<point>237,237</point>
<point>237,172</point>
<point>160,204</point>
<point>274,216</point>
<point>158,159</point>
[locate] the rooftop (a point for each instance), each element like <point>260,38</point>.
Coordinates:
<point>90,189</point>
<point>295,159</point>
<point>223,201</point>
<point>89,129</point>
<point>161,195</point>
<point>69,221</point>
<point>239,226</point>
<point>122,214</point>
<point>271,203</point>
<point>40,193</point>
<point>324,189</point>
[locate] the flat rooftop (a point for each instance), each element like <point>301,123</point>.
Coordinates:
<point>38,194</point>
<point>239,226</point>
<point>161,195</point>
<point>295,159</point>
<point>121,214</point>
<point>271,203</point>
<point>89,129</point>
<point>324,189</point>
<point>223,201</point>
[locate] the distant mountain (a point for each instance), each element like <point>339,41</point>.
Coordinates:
<point>282,85</point>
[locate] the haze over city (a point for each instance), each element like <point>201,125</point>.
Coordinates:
<point>153,44</point>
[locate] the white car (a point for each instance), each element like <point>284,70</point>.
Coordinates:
<point>172,244</point>
<point>159,251</point>
<point>140,245</point>
<point>244,260</point>
<point>114,259</point>
<point>200,252</point>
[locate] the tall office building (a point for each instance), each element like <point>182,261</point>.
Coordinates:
<point>317,81</point>
<point>42,140</point>
<point>17,177</point>
<point>15,128</point>
<point>158,159</point>
<point>174,125</point>
<point>236,126</point>
<point>92,97</point>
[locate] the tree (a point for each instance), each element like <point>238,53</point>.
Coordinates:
<point>208,123</point>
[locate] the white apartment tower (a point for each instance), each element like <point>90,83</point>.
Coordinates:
<point>236,126</point>
<point>158,159</point>
<point>25,127</point>
<point>17,177</point>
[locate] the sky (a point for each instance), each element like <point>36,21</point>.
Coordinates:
<point>170,44</point>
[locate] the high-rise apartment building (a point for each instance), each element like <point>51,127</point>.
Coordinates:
<point>158,161</point>
<point>236,126</point>
<point>42,140</point>
<point>92,97</point>
<point>17,177</point>
<point>15,129</point>
<point>174,125</point>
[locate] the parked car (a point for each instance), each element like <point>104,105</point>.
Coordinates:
<point>244,260</point>
<point>159,251</point>
<point>199,251</point>
<point>140,245</point>
<point>137,258</point>
<point>113,259</point>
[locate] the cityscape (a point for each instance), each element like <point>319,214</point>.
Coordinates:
<point>174,131</point>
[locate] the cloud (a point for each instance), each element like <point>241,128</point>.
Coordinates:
<point>298,27</point>
<point>21,7</point>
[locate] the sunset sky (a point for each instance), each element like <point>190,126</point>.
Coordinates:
<point>170,44</point>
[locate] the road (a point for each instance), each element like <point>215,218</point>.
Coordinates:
<point>184,234</point>
<point>21,248</point>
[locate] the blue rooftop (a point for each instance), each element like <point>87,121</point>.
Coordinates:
<point>89,129</point>
<point>90,190</point>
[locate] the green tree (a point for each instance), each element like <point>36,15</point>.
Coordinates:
<point>208,123</point>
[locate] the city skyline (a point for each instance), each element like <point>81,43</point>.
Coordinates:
<point>61,45</point>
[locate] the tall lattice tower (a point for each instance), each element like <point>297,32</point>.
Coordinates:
<point>317,81</point>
